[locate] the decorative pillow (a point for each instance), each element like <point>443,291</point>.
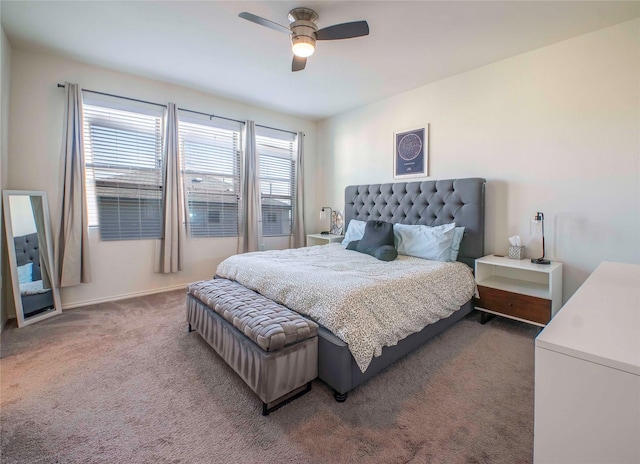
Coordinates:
<point>25,273</point>
<point>377,241</point>
<point>458,233</point>
<point>386,253</point>
<point>425,242</point>
<point>355,231</point>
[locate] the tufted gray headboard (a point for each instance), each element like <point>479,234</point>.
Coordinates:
<point>27,250</point>
<point>431,203</point>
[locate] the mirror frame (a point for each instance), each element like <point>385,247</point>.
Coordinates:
<point>13,263</point>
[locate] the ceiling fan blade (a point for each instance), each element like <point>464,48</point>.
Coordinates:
<point>264,22</point>
<point>298,63</point>
<point>343,31</point>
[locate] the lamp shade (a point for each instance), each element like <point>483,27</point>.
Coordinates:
<point>322,216</point>
<point>303,46</point>
<point>535,226</point>
<point>303,49</point>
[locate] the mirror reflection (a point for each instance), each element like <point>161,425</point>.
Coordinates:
<point>30,256</point>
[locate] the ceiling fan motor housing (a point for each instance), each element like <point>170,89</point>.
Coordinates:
<point>303,26</point>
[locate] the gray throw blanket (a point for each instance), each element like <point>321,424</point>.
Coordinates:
<point>365,302</point>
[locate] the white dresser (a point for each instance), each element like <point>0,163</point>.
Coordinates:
<point>587,373</point>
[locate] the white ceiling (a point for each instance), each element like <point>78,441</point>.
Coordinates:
<point>206,46</point>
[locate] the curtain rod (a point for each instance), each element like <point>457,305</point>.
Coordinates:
<point>118,96</point>
<point>211,116</point>
<point>275,128</point>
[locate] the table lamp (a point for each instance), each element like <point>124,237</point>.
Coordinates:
<point>537,223</point>
<point>322,216</point>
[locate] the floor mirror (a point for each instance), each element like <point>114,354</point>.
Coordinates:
<point>30,255</point>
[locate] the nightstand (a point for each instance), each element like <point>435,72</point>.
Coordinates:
<point>519,289</point>
<point>323,239</point>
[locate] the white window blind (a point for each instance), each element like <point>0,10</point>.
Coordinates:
<point>123,150</point>
<point>277,180</point>
<point>210,152</point>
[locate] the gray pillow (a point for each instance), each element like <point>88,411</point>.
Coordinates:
<point>377,241</point>
<point>386,253</point>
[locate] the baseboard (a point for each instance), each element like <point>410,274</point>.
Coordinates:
<point>124,296</point>
<point>6,323</point>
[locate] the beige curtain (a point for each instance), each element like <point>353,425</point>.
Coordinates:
<point>298,235</point>
<point>170,250</point>
<point>72,260</point>
<point>37,209</point>
<point>250,210</point>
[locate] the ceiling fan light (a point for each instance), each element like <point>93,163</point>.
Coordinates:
<point>303,49</point>
<point>303,45</point>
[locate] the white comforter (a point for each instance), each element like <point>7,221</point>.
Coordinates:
<point>33,288</point>
<point>365,302</point>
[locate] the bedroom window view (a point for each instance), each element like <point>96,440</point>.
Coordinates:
<point>124,165</point>
<point>210,153</point>
<point>277,179</point>
<point>123,150</point>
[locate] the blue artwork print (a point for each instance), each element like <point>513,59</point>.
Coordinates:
<point>410,150</point>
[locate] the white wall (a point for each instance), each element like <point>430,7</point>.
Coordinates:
<point>22,222</point>
<point>5,74</point>
<point>123,268</point>
<point>555,130</point>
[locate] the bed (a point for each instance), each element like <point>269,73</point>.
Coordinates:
<point>429,203</point>
<point>35,298</point>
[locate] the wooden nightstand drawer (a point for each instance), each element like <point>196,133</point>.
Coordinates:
<point>514,304</point>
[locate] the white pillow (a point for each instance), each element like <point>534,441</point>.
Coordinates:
<point>458,233</point>
<point>425,242</point>
<point>355,231</point>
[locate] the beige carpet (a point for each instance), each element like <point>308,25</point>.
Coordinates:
<point>124,382</point>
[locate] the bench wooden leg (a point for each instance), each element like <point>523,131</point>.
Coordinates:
<point>266,410</point>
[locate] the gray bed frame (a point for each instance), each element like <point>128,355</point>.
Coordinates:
<point>430,203</point>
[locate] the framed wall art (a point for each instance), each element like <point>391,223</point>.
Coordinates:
<point>411,152</point>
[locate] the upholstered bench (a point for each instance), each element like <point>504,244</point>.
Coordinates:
<point>273,349</point>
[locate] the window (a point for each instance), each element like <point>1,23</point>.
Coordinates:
<point>277,180</point>
<point>123,150</point>
<point>124,170</point>
<point>210,152</point>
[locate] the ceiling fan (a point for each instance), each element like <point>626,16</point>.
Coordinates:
<point>304,32</point>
